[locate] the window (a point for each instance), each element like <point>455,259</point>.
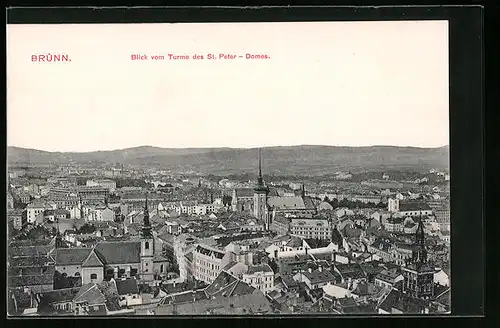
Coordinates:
<point>93,276</point>
<point>77,274</point>
<point>146,245</point>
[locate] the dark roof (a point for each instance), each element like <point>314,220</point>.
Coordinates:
<point>259,268</point>
<point>209,251</point>
<point>127,286</point>
<point>59,296</point>
<point>352,270</point>
<point>403,207</point>
<point>71,256</point>
<point>34,280</point>
<point>244,192</point>
<point>229,265</point>
<point>91,294</point>
<point>242,288</point>
<point>317,243</point>
<point>398,300</point>
<point>120,252</point>
<point>318,276</point>
<point>360,308</point>
<point>337,237</point>
<point>30,261</point>
<point>289,282</point>
<point>222,281</point>
<point>94,260</point>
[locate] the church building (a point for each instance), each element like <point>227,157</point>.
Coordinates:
<point>263,204</point>
<point>418,273</point>
<point>115,259</point>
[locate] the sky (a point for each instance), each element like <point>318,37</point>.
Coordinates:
<point>325,83</point>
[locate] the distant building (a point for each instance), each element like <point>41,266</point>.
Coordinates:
<point>414,209</point>
<point>103,183</point>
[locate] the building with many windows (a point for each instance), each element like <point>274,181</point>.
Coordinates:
<point>208,262</point>
<point>260,277</point>
<point>315,228</point>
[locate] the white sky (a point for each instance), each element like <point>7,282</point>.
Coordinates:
<point>328,83</point>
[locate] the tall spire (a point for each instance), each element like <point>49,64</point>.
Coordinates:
<point>419,253</point>
<point>419,234</point>
<point>260,180</point>
<point>146,228</point>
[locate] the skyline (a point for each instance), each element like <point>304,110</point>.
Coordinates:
<point>349,84</point>
<point>222,147</point>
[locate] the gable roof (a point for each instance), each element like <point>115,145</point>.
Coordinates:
<point>120,252</point>
<point>90,293</point>
<point>71,256</point>
<point>94,260</point>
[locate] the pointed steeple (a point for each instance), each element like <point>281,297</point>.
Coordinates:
<point>419,234</point>
<point>419,253</point>
<point>260,180</point>
<point>146,228</point>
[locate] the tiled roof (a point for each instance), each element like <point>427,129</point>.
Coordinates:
<point>318,276</point>
<point>317,243</point>
<point>120,252</point>
<point>209,251</point>
<point>255,302</point>
<point>403,207</point>
<point>60,295</point>
<point>259,268</point>
<point>242,288</point>
<point>221,283</point>
<point>127,286</point>
<point>229,265</point>
<point>25,281</point>
<point>71,256</point>
<point>94,260</point>
<point>244,192</point>
<point>159,258</point>
<point>286,203</point>
<point>90,293</point>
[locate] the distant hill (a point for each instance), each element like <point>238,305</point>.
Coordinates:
<point>288,160</point>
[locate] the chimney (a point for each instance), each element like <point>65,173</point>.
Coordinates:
<point>320,268</point>
<point>309,269</point>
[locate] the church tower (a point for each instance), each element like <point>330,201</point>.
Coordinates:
<point>418,273</point>
<point>147,247</point>
<point>260,197</point>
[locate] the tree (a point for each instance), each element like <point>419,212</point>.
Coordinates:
<point>86,228</point>
<point>227,200</point>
